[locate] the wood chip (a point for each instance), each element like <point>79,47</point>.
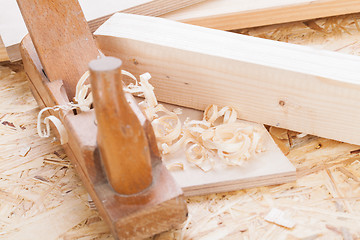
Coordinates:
<point>24,151</point>
<point>279,217</point>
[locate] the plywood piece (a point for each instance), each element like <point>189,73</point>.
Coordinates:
<point>13,28</point>
<point>279,84</point>
<point>236,14</point>
<point>263,169</point>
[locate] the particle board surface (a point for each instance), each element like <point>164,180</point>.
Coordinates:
<point>236,14</point>
<point>13,29</point>
<point>285,85</point>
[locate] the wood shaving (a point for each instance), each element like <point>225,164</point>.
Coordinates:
<point>83,98</point>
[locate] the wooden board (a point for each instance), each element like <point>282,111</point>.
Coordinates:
<point>274,83</point>
<point>13,29</point>
<point>270,167</point>
<point>236,14</point>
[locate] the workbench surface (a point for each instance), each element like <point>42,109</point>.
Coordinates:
<point>41,196</point>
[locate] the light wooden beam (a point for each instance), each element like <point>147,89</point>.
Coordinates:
<point>280,84</point>
<point>236,14</point>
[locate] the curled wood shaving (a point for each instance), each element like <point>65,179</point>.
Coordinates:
<point>83,98</point>
<point>57,123</point>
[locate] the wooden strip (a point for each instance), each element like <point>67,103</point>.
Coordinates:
<point>150,8</point>
<point>279,84</point>
<point>13,29</point>
<point>235,14</point>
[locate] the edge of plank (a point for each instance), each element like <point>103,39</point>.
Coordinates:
<point>242,184</point>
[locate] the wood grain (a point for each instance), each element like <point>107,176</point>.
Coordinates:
<point>62,39</point>
<point>235,14</point>
<point>289,86</point>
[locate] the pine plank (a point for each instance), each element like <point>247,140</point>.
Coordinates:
<point>279,84</point>
<point>236,14</point>
<point>269,167</point>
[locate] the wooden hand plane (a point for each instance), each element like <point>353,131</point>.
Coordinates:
<point>112,146</point>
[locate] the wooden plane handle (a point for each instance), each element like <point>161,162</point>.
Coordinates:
<point>61,37</point>
<point>121,139</point>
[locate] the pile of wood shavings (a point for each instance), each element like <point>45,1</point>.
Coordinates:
<point>217,134</point>
<point>231,141</point>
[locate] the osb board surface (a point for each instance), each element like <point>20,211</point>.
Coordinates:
<point>42,198</point>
